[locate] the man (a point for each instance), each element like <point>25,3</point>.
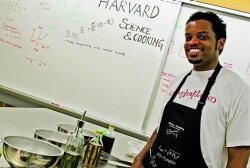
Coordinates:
<point>211,128</point>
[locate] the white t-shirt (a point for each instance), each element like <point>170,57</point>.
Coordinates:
<point>225,120</point>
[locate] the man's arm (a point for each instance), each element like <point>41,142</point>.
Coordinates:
<point>138,161</point>
<point>238,156</point>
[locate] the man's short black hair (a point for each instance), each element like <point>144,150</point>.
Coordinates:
<point>218,25</point>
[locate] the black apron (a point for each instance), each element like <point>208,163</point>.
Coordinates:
<point>177,144</point>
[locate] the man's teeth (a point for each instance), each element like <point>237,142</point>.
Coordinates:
<point>194,50</point>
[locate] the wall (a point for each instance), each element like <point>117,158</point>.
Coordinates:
<point>240,5</point>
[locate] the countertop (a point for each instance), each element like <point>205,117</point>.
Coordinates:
<point>23,121</point>
<point>4,164</point>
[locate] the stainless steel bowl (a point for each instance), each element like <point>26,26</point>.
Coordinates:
<point>68,128</point>
<point>20,151</point>
<point>57,138</point>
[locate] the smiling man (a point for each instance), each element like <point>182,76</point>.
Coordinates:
<point>196,132</point>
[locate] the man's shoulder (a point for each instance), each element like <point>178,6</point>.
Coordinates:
<point>232,80</point>
<point>231,76</point>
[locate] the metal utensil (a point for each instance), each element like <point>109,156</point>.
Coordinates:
<point>18,151</point>
<point>106,156</point>
<point>68,128</point>
<point>57,138</point>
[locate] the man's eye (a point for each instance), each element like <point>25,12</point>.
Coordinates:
<point>202,37</point>
<point>188,38</point>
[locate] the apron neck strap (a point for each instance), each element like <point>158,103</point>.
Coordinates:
<point>179,87</point>
<point>211,81</point>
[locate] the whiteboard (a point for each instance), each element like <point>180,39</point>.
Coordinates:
<point>235,55</point>
<point>95,55</point>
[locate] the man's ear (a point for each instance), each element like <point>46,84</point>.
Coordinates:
<point>221,43</point>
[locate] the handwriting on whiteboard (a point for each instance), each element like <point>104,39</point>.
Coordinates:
<point>228,65</point>
<point>14,6</point>
<point>11,30</point>
<point>44,5</point>
<point>140,34</point>
<point>70,34</point>
<point>131,8</point>
<point>13,44</point>
<point>12,34</point>
<point>167,78</point>
<point>103,49</point>
<point>37,62</point>
<point>97,25</point>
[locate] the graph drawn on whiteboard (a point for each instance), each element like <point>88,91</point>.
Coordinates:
<point>37,38</point>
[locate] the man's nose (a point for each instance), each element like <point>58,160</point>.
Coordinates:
<point>193,41</point>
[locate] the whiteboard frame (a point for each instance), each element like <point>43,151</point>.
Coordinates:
<point>156,85</point>
<point>21,99</point>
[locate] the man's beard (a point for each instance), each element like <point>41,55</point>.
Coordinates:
<point>195,61</point>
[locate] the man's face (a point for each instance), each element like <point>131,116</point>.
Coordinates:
<point>201,47</point>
